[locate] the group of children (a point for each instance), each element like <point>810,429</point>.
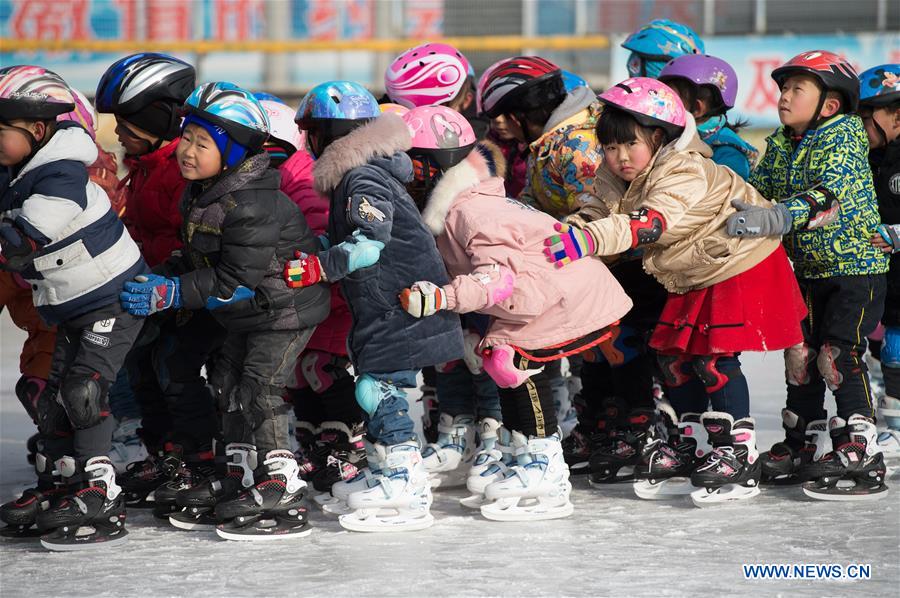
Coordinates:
<point>317,261</point>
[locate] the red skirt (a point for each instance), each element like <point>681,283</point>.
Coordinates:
<point>757,310</point>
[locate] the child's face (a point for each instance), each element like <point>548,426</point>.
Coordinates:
<point>136,141</point>
<point>500,126</point>
<point>884,117</point>
<point>627,160</point>
<point>799,98</point>
<point>197,154</point>
<point>14,144</point>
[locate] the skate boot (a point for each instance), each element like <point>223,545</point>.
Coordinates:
<point>614,461</point>
<point>272,509</point>
<point>664,470</point>
<point>91,517</point>
<point>889,440</point>
<point>855,469</point>
<point>397,499</point>
<point>784,465</point>
<point>578,444</point>
<point>448,460</point>
<point>562,404</point>
<point>492,460</point>
<point>731,471</point>
<point>143,477</point>
<point>52,485</point>
<point>534,489</point>
<point>193,470</point>
<point>199,501</point>
<point>341,452</point>
<point>305,434</point>
<point>127,447</point>
<point>430,413</point>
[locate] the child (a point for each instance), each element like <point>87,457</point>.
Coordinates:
<point>63,238</point>
<point>492,248</point>
<point>329,421</point>
<point>815,168</point>
<point>879,107</point>
<point>379,245</point>
<point>673,203</point>
<point>238,228</point>
<point>658,42</point>
<point>708,88</point>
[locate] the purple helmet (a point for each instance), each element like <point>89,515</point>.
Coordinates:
<point>702,69</point>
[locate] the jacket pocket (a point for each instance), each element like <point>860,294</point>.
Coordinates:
<point>715,250</point>
<point>68,273</point>
<point>532,296</point>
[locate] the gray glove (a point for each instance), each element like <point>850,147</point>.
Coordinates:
<point>754,221</point>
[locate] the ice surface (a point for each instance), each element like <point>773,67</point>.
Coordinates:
<point>614,545</point>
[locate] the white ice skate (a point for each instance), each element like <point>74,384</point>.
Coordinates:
<point>398,499</point>
<point>127,447</point>
<point>731,471</point>
<point>889,443</point>
<point>889,439</point>
<point>535,489</point>
<point>448,460</point>
<point>493,459</point>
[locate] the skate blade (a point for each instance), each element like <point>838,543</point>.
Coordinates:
<point>337,507</point>
<point>379,522</point>
<point>62,543</point>
<point>843,493</point>
<point>580,468</point>
<point>192,526</point>
<point>476,501</point>
<point>448,479</point>
<point>723,494</point>
<point>508,509</point>
<point>664,490</point>
<point>256,533</point>
<point>787,480</point>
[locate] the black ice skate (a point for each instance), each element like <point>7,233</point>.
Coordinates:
<point>784,465</point>
<point>341,453</point>
<point>193,470</point>
<point>614,461</point>
<point>731,471</point>
<point>20,515</point>
<point>143,477</point>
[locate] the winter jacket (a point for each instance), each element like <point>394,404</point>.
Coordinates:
<point>562,162</point>
<point>297,184</point>
<point>886,172</point>
<point>365,174</point>
<point>516,156</point>
<point>833,156</point>
<point>694,195</point>
<point>478,227</point>
<point>728,147</point>
<point>239,231</point>
<point>154,187</point>
<point>84,254</point>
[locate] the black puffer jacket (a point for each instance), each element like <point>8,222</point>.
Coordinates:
<point>886,175</point>
<point>240,231</point>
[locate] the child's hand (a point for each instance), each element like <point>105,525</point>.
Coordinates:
<point>755,221</point>
<point>887,238</point>
<point>422,299</point>
<point>570,244</point>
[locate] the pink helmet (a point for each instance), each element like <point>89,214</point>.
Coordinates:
<point>395,108</point>
<point>84,114</point>
<point>440,133</point>
<point>281,123</point>
<point>651,102</point>
<point>426,75</point>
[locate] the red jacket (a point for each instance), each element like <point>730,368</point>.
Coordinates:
<point>104,173</point>
<point>154,186</point>
<point>297,183</point>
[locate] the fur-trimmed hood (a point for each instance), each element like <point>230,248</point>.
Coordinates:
<point>381,138</point>
<point>484,162</point>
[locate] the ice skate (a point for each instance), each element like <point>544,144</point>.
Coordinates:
<point>664,470</point>
<point>889,439</point>
<point>194,470</point>
<point>536,488</point>
<point>141,478</point>
<point>429,413</point>
<point>614,461</point>
<point>397,499</point>
<point>340,454</point>
<point>782,465</point>
<point>127,446</point>
<point>578,443</point>
<point>272,509</point>
<point>448,460</point>
<point>335,502</point>
<point>20,515</point>
<point>493,459</point>
<point>303,446</point>
<point>91,517</point>
<point>855,469</point>
<point>731,471</point>
<point>198,502</point>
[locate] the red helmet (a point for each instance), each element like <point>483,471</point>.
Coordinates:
<point>834,72</point>
<point>520,83</point>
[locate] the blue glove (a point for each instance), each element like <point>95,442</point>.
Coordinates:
<point>361,254</point>
<point>890,347</point>
<point>151,293</point>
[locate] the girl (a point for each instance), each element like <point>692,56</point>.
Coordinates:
<point>671,202</point>
<point>491,247</point>
<point>708,88</point>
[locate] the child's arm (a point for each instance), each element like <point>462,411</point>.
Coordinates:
<point>761,177</point>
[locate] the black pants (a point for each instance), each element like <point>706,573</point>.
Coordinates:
<point>73,411</point>
<point>248,377</point>
<point>842,311</point>
<point>334,401</point>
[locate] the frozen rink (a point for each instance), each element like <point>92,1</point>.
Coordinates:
<point>614,545</point>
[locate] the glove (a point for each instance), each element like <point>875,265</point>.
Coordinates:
<point>303,271</point>
<point>362,253</point>
<point>422,299</point>
<point>891,235</point>
<point>755,221</point>
<point>16,248</point>
<point>151,293</point>
<point>570,244</point>
<point>890,347</point>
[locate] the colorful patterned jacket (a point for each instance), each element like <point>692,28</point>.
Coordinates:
<point>829,162</point>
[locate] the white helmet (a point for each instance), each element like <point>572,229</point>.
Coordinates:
<point>281,123</point>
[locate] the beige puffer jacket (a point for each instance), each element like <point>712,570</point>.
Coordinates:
<point>694,196</point>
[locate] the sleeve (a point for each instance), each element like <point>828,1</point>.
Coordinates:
<point>469,292</point>
<point>250,235</point>
<point>733,158</point>
<point>56,199</point>
<point>761,177</point>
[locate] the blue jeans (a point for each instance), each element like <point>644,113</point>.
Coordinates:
<point>391,423</point>
<point>459,392</point>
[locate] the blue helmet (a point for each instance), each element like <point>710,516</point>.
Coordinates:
<point>880,85</point>
<point>658,42</point>
<point>336,101</point>
<point>573,81</point>
<point>263,96</point>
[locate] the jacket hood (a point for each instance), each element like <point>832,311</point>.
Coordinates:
<point>69,142</point>
<point>576,101</point>
<point>484,162</point>
<point>380,138</point>
<point>253,173</point>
